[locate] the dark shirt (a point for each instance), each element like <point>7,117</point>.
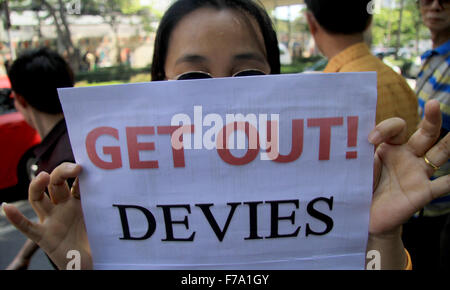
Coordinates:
<point>54,149</point>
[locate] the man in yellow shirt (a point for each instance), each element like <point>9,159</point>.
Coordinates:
<point>338,30</point>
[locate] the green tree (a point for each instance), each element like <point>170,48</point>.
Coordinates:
<point>57,11</point>
<point>399,25</point>
<point>114,11</point>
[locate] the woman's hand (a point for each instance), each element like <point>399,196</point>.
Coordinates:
<point>61,226</point>
<point>402,184</point>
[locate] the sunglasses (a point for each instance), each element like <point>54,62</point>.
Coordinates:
<point>195,75</point>
<point>442,3</point>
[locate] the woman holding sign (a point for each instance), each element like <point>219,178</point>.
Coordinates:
<point>226,38</point>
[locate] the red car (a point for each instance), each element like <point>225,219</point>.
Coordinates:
<point>16,140</point>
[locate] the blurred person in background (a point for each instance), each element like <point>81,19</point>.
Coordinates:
<point>427,234</point>
<point>338,30</point>
<point>35,77</point>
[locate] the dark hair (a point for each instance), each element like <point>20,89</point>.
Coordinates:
<point>341,17</point>
<point>181,8</point>
<point>36,74</point>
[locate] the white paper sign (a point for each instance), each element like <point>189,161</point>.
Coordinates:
<point>301,204</point>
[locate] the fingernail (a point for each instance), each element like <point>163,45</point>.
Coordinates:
<point>71,166</point>
<point>39,175</point>
<point>374,137</point>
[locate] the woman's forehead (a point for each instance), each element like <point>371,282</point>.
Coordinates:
<point>209,27</point>
<point>234,16</point>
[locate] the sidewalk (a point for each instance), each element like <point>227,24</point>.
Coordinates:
<point>11,241</point>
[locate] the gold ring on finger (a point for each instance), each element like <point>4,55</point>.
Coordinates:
<point>435,167</point>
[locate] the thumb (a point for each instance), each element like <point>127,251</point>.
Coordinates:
<point>32,230</point>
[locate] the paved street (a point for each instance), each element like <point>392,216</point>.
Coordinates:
<point>11,241</point>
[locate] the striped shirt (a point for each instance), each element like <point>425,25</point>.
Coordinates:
<point>433,83</point>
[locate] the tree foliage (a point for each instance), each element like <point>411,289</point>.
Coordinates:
<point>386,25</point>
<point>62,11</point>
